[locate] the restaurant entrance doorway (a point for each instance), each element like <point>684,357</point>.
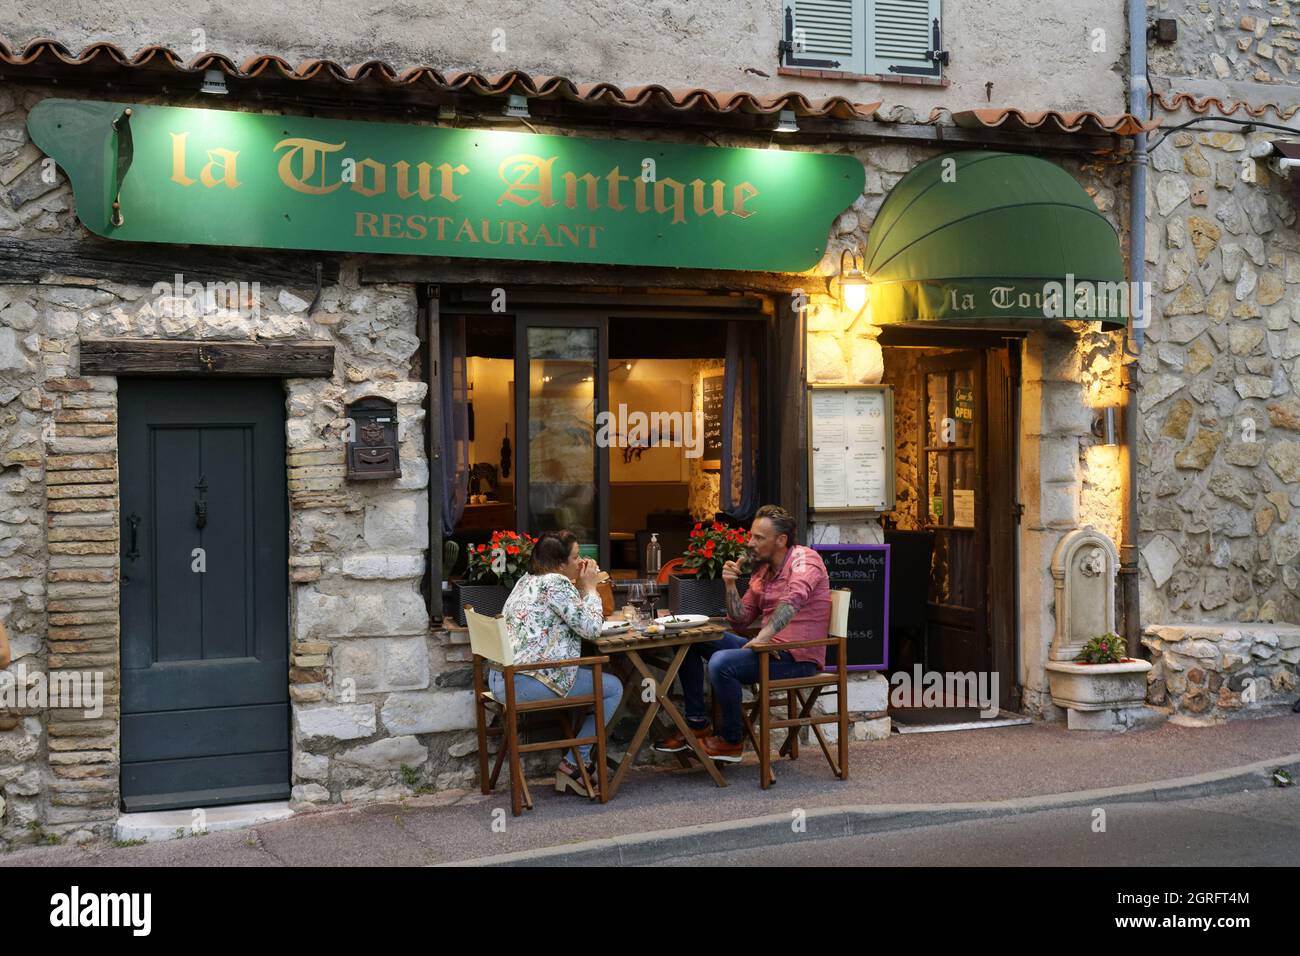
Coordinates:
<point>957,422</point>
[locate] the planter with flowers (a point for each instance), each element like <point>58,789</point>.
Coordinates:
<point>697,587</point>
<point>491,572</point>
<point>1099,677</point>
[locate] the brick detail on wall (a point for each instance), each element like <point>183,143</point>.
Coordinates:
<point>83,637</point>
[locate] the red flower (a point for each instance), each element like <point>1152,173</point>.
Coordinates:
<point>717,526</point>
<point>698,525</point>
<point>512,549</point>
<point>482,548</point>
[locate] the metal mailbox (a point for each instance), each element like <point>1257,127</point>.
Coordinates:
<point>373,452</point>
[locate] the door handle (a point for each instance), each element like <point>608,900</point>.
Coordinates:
<point>134,552</point>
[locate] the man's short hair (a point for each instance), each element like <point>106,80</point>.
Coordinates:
<point>782,521</point>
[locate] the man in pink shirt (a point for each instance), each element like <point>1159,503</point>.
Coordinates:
<point>789,592</point>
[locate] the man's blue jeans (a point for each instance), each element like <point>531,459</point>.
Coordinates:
<point>731,665</point>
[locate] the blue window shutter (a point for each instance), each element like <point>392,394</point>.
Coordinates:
<point>902,37</point>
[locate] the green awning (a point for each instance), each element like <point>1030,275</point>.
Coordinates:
<point>990,240</point>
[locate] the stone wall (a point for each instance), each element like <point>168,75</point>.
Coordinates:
<point>372,690</point>
<point>730,45</point>
<point>1230,40</point>
<point>1220,458</point>
<point>901,371</point>
<point>1209,673</point>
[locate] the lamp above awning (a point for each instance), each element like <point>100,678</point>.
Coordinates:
<point>989,240</point>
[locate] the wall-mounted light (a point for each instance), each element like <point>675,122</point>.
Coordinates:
<point>853,283</point>
<point>214,82</point>
<point>1106,425</point>
<point>786,122</point>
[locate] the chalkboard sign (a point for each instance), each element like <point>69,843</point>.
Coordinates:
<point>714,392</point>
<point>864,570</point>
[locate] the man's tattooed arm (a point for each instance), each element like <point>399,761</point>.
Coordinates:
<point>782,616</point>
<point>735,607</point>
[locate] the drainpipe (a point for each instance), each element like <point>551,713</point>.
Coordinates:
<point>1138,98</point>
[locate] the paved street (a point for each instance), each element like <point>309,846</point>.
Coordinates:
<point>1255,828</point>
<point>907,770</point>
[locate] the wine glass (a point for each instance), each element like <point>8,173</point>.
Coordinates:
<point>652,598</point>
<point>636,595</point>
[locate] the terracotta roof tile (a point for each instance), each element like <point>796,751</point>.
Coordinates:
<point>50,58</point>
<point>1083,121</point>
<point>46,57</point>
<point>1173,102</point>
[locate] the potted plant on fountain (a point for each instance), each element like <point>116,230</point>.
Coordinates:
<point>491,571</point>
<point>1100,677</point>
<point>697,586</point>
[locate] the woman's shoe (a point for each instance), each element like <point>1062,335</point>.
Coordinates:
<point>567,777</point>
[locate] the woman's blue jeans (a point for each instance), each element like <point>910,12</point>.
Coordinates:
<point>530,688</point>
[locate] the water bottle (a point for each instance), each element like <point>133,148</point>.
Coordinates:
<point>653,557</point>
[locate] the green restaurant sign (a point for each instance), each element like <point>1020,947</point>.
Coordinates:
<point>227,178</point>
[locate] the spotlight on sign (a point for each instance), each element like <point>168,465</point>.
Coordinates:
<point>214,82</point>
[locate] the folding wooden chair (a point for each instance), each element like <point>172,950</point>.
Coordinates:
<point>801,693</point>
<point>490,643</point>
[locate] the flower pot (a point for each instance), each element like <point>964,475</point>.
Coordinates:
<point>688,594</point>
<point>1098,686</point>
<point>485,598</point>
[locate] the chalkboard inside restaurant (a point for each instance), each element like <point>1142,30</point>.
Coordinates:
<point>714,392</point>
<point>862,569</point>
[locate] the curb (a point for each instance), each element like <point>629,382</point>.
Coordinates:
<point>638,849</point>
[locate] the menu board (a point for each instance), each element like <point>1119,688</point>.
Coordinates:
<point>863,570</point>
<point>851,448</point>
<point>713,389</point>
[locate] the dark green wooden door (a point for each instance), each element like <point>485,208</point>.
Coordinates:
<point>205,686</point>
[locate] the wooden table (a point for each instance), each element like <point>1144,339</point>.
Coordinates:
<point>634,646</point>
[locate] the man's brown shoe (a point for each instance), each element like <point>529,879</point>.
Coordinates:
<point>720,749</point>
<point>676,741</point>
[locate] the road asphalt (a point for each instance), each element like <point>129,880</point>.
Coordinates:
<point>662,812</point>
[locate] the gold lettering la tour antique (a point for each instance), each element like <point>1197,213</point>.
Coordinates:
<point>318,168</point>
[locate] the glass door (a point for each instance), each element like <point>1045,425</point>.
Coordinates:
<point>561,388</point>
<point>952,506</point>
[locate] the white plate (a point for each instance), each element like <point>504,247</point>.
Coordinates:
<point>613,627</point>
<point>679,622</point>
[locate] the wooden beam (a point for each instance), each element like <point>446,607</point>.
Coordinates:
<point>512,274</point>
<point>219,359</point>
<point>30,261</point>
<point>432,317</point>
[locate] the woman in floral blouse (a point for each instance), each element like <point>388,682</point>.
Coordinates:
<point>549,612</point>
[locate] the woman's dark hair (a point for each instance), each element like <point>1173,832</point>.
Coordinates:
<point>551,551</point>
